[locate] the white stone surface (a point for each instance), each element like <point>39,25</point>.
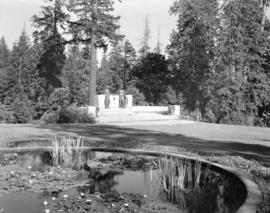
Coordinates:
<point>100,101</point>
<point>130,101</point>
<point>90,109</point>
<point>177,110</point>
<point>114,101</point>
<point>174,110</point>
<point>151,109</point>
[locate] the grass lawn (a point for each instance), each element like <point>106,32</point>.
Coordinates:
<point>249,142</point>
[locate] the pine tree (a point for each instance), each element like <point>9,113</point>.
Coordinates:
<point>145,47</point>
<point>151,74</point>
<point>192,48</point>
<point>158,47</point>
<point>19,66</point>
<point>116,65</point>
<point>51,63</point>
<point>122,59</point>
<point>4,67</point>
<point>130,60</point>
<point>240,92</point>
<point>105,75</point>
<point>19,79</point>
<point>94,23</point>
<point>4,53</point>
<point>75,76</point>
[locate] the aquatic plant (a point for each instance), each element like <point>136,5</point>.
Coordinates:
<point>55,151</point>
<point>178,177</point>
<point>66,151</point>
<point>197,172</point>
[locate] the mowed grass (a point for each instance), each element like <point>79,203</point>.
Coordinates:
<point>249,142</point>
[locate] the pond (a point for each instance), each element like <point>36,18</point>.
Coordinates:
<point>88,181</point>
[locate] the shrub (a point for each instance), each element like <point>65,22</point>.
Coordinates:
<point>5,115</point>
<point>209,116</point>
<point>75,115</point>
<point>234,118</point>
<point>50,117</point>
<point>41,107</point>
<point>68,115</point>
<point>59,99</point>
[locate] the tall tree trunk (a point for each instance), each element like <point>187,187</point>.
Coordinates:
<point>125,67</point>
<point>93,59</point>
<point>264,8</point>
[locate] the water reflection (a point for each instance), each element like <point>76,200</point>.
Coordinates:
<point>212,193</point>
<point>215,193</point>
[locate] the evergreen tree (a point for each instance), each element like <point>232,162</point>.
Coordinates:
<point>158,47</point>
<point>122,59</point>
<point>51,63</point>
<point>116,65</point>
<point>145,48</point>
<point>18,80</point>
<point>130,60</point>
<point>17,76</point>
<point>75,76</point>
<point>152,77</point>
<point>93,24</point>
<point>4,66</point>
<point>240,94</point>
<point>192,48</point>
<point>105,76</point>
<point>4,53</point>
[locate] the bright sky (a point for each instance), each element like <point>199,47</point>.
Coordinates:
<point>14,13</point>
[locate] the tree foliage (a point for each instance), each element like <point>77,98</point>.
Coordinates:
<point>240,91</point>
<point>192,48</point>
<point>75,75</point>
<point>121,61</point>
<point>93,25</point>
<point>219,57</point>
<point>145,47</point>
<point>4,53</point>
<point>152,76</point>
<point>52,60</point>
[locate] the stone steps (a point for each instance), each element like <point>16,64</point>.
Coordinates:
<point>114,111</point>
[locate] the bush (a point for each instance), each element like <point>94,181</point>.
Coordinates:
<point>5,115</point>
<point>59,99</point>
<point>41,107</point>
<point>235,118</point>
<point>75,115</point>
<point>68,115</point>
<point>51,117</point>
<point>209,116</point>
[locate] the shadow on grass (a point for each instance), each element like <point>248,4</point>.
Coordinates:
<point>115,136</point>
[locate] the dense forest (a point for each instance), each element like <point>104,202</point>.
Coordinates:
<point>217,62</point>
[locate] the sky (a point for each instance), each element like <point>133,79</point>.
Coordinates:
<point>15,13</point>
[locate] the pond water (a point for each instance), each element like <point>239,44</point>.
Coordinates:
<point>221,194</point>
